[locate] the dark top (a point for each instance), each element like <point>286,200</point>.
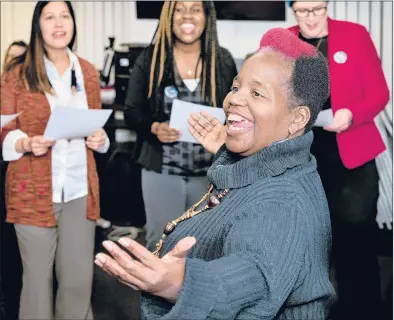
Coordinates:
<point>324,146</point>
<point>140,112</point>
<point>184,158</point>
<point>263,252</point>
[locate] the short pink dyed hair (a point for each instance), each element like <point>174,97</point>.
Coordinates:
<point>287,43</point>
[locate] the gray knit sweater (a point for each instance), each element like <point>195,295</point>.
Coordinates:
<point>263,252</point>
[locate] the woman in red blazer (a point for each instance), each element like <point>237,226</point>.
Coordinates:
<point>346,150</point>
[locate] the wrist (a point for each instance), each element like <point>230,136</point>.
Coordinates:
<point>349,116</point>
<point>26,145</point>
<point>171,293</point>
<point>154,127</point>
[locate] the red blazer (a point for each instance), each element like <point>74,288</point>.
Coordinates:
<point>359,85</point>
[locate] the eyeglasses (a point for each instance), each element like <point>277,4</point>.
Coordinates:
<point>317,12</point>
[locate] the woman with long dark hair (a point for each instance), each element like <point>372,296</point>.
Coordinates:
<point>184,62</point>
<point>52,186</point>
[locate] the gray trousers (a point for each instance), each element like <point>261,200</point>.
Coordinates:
<point>167,197</point>
<point>71,246</point>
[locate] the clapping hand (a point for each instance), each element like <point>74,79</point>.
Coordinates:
<point>208,131</point>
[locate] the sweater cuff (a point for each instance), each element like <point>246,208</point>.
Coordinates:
<point>199,284</point>
<point>9,152</point>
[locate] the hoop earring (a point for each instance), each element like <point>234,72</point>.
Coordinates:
<point>280,141</point>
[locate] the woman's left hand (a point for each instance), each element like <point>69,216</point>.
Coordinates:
<point>342,121</point>
<point>97,140</point>
<point>161,277</point>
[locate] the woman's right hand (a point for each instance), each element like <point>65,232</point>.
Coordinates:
<point>208,131</point>
<point>38,145</point>
<point>164,133</point>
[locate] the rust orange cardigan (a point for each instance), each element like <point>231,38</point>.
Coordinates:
<point>29,179</point>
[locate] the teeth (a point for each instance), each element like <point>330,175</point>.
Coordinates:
<point>235,117</point>
<point>236,128</point>
<point>187,26</point>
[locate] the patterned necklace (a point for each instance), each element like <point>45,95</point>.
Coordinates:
<point>212,201</point>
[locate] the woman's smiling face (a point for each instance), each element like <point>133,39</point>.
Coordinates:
<point>257,108</point>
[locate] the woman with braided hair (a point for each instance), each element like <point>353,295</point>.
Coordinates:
<point>256,246</point>
<point>184,62</point>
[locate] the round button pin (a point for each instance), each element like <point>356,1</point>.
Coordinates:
<point>340,57</point>
<point>171,92</point>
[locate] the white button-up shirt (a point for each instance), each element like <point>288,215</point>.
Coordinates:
<point>69,162</point>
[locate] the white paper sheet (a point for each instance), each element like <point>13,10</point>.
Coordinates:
<point>8,118</point>
<point>324,118</point>
<point>181,112</point>
<point>71,123</point>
